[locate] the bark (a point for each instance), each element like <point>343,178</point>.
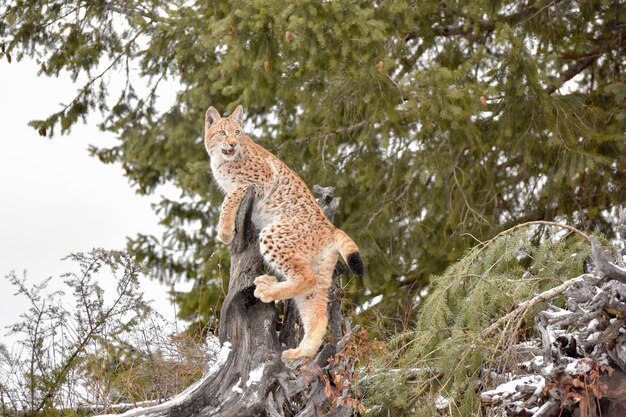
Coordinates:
<point>249,377</point>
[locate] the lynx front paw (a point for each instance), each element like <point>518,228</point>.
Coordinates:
<point>224,236</point>
<point>264,284</point>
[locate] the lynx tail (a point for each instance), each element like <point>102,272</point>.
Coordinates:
<point>349,251</point>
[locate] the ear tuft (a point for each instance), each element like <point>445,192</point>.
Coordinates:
<point>238,115</point>
<point>212,116</point>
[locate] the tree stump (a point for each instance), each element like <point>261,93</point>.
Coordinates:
<point>249,377</point>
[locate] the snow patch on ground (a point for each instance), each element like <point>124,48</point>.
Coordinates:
<point>538,361</point>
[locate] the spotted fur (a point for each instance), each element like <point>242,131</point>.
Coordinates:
<point>296,239</point>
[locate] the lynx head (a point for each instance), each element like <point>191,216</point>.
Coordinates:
<point>223,136</point>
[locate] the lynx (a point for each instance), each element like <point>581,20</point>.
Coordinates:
<point>295,238</point>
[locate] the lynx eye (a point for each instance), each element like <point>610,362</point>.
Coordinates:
<point>222,133</point>
<point>237,132</point>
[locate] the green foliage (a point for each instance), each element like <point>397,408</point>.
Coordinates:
<point>444,354</point>
<point>439,122</point>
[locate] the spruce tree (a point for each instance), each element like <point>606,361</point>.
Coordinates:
<point>440,123</point>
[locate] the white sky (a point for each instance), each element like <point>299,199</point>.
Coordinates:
<point>54,198</point>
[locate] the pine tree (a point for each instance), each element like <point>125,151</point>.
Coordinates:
<point>440,123</point>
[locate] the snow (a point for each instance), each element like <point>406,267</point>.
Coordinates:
<point>220,359</point>
<point>540,386</point>
<point>547,370</point>
<point>593,324</point>
<point>255,375</point>
<point>578,367</point>
<point>369,304</point>
<point>222,356</point>
<point>442,402</point>
<point>509,388</point>
<point>604,359</point>
<point>236,388</point>
<point>556,313</point>
<point>535,362</point>
<point>212,344</point>
<point>423,293</point>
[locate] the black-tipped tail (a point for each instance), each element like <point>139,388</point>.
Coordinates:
<point>355,263</point>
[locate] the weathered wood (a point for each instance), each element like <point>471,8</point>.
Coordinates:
<point>249,326</point>
<point>580,366</point>
<point>603,262</point>
<point>250,378</point>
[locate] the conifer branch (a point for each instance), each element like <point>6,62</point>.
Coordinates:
<point>486,26</point>
<point>127,11</point>
<point>527,305</point>
<point>588,60</point>
<point>336,132</point>
<point>602,262</point>
<point>537,222</point>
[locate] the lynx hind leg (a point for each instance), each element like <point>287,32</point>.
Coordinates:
<point>276,243</point>
<point>314,318</point>
<point>299,279</point>
<point>313,309</point>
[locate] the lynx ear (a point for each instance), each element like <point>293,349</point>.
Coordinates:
<point>238,115</point>
<point>212,116</point>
